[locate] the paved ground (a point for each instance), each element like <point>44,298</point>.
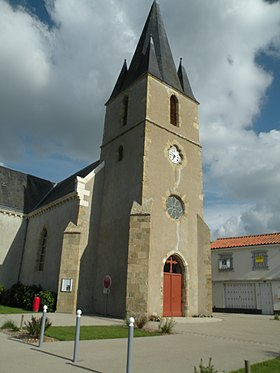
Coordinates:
<point>229,339</point>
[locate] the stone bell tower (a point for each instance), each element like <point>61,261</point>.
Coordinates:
<point>152,239</point>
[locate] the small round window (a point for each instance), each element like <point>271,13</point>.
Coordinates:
<point>175,207</point>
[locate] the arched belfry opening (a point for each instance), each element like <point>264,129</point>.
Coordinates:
<point>173,284</point>
<point>174,111</point>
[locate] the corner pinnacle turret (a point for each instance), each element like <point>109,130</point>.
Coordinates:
<point>153,55</point>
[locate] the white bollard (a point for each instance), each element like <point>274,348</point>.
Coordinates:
<point>77,336</point>
<point>43,325</point>
<point>129,345</point>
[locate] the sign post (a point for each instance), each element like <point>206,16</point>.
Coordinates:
<point>107,282</point>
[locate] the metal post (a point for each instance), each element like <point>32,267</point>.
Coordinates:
<point>77,336</point>
<point>129,345</point>
<point>21,322</point>
<point>106,306</point>
<point>43,325</point>
<point>247,366</point>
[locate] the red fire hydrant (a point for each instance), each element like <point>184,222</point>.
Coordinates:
<point>36,304</point>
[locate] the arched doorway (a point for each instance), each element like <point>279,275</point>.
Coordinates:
<point>172,287</point>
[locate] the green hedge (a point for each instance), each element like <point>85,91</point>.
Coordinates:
<point>22,296</point>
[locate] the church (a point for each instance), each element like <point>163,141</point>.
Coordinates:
<point>125,234</point>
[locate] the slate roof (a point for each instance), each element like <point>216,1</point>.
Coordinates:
<point>67,186</point>
<point>257,240</point>
<point>153,55</point>
<point>21,192</point>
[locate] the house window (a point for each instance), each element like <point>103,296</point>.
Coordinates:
<point>42,251</point>
<point>174,110</point>
<point>260,260</point>
<point>124,110</point>
<point>225,262</point>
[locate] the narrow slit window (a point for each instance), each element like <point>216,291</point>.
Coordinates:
<point>42,251</point>
<point>174,110</point>
<point>120,153</point>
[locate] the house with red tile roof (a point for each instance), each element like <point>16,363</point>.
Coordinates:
<point>246,274</point>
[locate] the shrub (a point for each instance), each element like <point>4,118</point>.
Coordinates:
<point>14,296</point>
<point>276,317</point>
<point>22,296</point>
<point>30,291</point>
<point>2,292</point>
<point>205,369</point>
<point>140,321</point>
<point>166,326</point>
<point>11,325</point>
<point>33,327</point>
<point>48,298</point>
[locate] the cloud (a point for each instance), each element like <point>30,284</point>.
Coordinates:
<point>54,82</point>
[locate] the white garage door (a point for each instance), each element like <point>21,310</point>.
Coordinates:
<point>240,295</point>
<point>266,298</point>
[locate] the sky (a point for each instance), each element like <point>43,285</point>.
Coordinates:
<point>60,61</point>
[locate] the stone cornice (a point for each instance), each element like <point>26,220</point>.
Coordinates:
<point>16,214</point>
<point>54,204</point>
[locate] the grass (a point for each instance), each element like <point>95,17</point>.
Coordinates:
<point>67,333</point>
<point>269,366</point>
<point>11,310</point>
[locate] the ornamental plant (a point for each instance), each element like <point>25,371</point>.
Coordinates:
<point>206,369</point>
<point>166,325</point>
<point>33,327</point>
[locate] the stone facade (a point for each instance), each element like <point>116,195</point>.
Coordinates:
<point>69,269</point>
<point>138,260</point>
<point>141,244</point>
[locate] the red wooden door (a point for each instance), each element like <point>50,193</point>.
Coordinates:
<point>172,294</point>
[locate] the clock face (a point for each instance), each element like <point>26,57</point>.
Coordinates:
<point>174,155</point>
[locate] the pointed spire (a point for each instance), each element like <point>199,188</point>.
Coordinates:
<point>153,55</point>
<point>119,84</point>
<point>149,62</point>
<point>185,81</point>
<point>154,27</point>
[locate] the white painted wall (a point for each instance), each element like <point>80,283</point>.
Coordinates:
<point>12,231</point>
